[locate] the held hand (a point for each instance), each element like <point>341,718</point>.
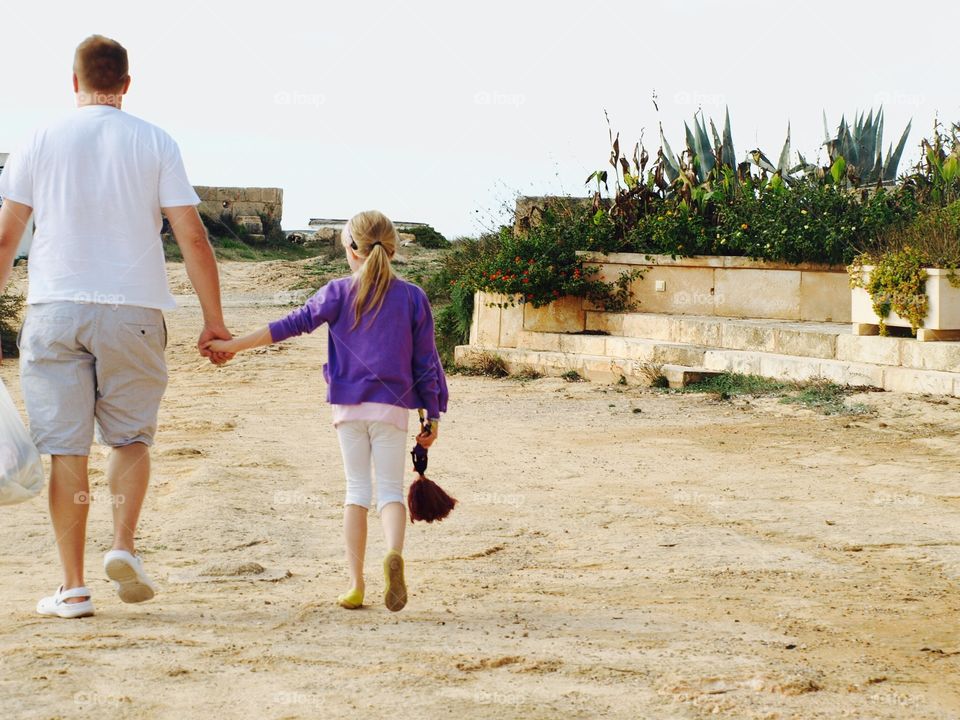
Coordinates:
<point>214,333</point>
<point>428,439</point>
<point>222,347</point>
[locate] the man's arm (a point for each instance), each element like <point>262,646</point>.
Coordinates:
<point>202,270</point>
<point>14,217</point>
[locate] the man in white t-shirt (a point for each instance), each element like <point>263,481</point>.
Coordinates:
<point>92,345</point>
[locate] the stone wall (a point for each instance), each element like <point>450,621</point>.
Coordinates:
<point>235,202</point>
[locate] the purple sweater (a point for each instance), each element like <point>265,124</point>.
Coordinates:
<point>392,359</point>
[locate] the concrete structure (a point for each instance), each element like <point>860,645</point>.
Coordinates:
<point>727,286</point>
<point>24,249</point>
<point>236,202</point>
<point>337,224</point>
<point>942,321</point>
<point>607,346</point>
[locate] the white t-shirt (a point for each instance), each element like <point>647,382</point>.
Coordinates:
<point>96,182</point>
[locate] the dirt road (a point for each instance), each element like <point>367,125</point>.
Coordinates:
<point>618,552</point>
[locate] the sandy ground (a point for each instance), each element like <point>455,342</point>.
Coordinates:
<point>618,552</point>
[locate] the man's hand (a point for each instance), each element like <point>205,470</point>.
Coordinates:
<point>202,270</point>
<point>214,333</point>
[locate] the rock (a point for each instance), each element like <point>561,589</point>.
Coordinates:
<point>251,223</point>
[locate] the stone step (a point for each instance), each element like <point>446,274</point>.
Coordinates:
<point>828,341</point>
<point>604,368</point>
<point>679,376</point>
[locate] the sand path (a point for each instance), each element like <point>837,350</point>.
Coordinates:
<point>618,553</point>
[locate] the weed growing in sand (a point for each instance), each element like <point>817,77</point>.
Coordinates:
<point>526,372</point>
<point>652,375</point>
<point>573,376</point>
<point>827,398</point>
<point>823,396</point>
<point>727,385</point>
<point>486,363</point>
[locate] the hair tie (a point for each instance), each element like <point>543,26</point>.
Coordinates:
<point>375,244</point>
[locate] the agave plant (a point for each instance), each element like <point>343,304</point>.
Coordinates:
<point>860,148</point>
<point>705,153</point>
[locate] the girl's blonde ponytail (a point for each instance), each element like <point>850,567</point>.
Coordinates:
<point>374,238</point>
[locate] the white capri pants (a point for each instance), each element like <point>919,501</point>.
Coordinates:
<point>386,445</point>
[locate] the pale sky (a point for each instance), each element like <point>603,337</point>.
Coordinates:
<point>441,112</point>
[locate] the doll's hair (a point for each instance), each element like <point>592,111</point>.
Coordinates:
<point>373,237</point>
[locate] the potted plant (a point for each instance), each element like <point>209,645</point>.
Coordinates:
<point>910,279</point>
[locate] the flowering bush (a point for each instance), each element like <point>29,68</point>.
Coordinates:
<point>541,264</point>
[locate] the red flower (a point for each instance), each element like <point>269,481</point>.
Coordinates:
<point>529,296</point>
<point>526,280</point>
<point>530,261</point>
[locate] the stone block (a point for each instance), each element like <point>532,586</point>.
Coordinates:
<point>919,382</point>
<point>851,373</point>
<point>647,325</point>
<point>805,343</point>
<point>563,315</point>
<point>511,324</point>
<point>670,354</point>
<point>488,323</point>
<point>870,349</point>
<point>630,348</point>
<point>754,293</point>
<point>698,331</point>
<point>733,361</point>
<point>583,344</point>
<point>611,323</point>
<point>943,356</point>
<point>746,336</point>
<point>538,341</point>
<point>825,296</point>
<point>250,223</point>
<point>270,195</point>
<point>686,290</point>
<point>783,367</point>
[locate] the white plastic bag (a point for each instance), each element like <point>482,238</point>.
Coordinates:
<point>21,470</point>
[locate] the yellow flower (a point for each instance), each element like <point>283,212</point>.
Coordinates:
<point>744,226</point>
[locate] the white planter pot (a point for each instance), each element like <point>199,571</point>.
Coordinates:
<point>943,312</point>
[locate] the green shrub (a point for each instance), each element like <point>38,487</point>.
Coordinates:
<point>11,306</point>
<point>428,237</point>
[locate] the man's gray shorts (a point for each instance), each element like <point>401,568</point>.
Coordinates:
<point>83,364</point>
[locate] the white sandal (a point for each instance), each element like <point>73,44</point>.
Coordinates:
<point>56,604</point>
<point>126,570</point>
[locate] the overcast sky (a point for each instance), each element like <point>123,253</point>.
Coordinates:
<point>442,112</point>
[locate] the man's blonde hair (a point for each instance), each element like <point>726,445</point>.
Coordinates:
<point>101,64</point>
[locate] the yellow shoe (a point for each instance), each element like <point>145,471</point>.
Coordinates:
<point>352,600</point>
<point>395,596</point>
